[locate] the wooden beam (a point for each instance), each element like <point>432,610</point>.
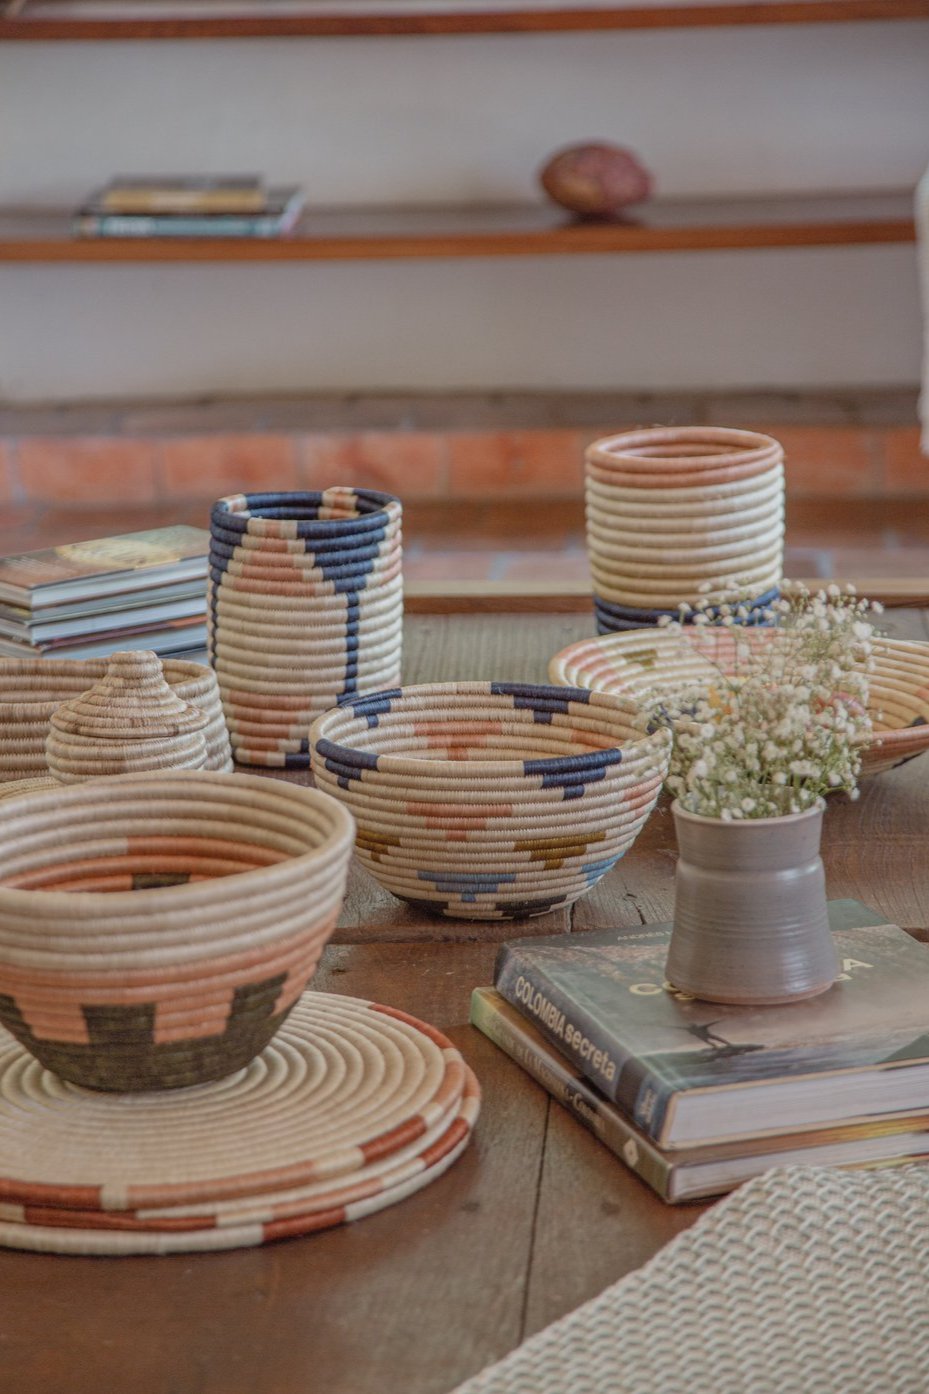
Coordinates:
<point>39,20</point>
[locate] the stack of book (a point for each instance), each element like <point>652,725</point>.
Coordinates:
<point>144,590</point>
<point>182,206</point>
<point>697,1098</point>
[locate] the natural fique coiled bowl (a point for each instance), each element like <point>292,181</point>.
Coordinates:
<point>156,929</point>
<point>490,800</point>
<point>32,688</point>
<point>645,666</point>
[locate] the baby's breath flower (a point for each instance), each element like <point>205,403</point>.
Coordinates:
<point>785,716</point>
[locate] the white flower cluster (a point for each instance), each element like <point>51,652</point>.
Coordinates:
<point>784,717</point>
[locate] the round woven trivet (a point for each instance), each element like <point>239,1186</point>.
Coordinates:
<point>298,1209</point>
<point>344,1084</point>
<point>346,1206</point>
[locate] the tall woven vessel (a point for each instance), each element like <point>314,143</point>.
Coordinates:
<point>305,608</point>
<point>683,516</point>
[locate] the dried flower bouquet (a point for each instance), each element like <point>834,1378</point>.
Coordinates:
<point>786,718</point>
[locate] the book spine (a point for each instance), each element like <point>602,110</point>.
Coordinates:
<point>616,1072</point>
<point>522,1043</point>
<point>114,225</point>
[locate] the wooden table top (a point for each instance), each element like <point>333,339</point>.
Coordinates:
<point>534,1219</point>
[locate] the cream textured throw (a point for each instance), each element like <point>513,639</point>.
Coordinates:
<point>922,254</point>
<point>805,1281</point>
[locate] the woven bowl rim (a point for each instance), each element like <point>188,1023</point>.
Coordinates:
<point>459,770</point>
<point>340,838</point>
<point>918,648</point>
<point>378,508</point>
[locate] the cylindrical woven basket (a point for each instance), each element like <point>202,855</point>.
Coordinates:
<point>490,800</point>
<point>305,602</point>
<point>644,667</point>
<point>682,515</point>
<point>155,930</point>
<point>32,688</point>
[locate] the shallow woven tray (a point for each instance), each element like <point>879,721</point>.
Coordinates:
<point>352,1107</point>
<point>644,664</point>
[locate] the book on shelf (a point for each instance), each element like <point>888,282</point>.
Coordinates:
<point>33,582</point>
<point>689,1073</point>
<point>694,1173</point>
<point>279,217</point>
<point>184,193</point>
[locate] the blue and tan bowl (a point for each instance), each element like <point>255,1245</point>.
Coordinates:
<point>490,800</point>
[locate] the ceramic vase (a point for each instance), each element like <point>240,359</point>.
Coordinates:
<point>751,925</point>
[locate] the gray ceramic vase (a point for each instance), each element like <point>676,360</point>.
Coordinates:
<point>750,920</point>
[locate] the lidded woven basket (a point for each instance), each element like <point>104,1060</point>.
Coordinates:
<point>32,688</point>
<point>130,721</point>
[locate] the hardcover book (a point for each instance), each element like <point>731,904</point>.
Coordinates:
<point>690,1073</point>
<point>106,566</point>
<point>279,216</point>
<point>182,193</point>
<point>693,1173</point>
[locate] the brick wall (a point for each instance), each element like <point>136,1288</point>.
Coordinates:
<point>102,465</point>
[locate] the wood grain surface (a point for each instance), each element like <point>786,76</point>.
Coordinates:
<point>534,1219</point>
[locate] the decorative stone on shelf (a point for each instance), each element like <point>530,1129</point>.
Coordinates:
<point>130,721</point>
<point>595,180</point>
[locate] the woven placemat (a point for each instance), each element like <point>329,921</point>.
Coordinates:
<point>805,1281</point>
<point>71,1238</point>
<point>344,1085</point>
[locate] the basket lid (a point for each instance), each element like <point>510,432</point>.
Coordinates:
<point>131,702</point>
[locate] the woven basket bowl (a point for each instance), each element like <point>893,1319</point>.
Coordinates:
<point>294,580</point>
<point>690,506</point>
<point>681,456</point>
<point>155,930</point>
<point>643,667</point>
<point>32,688</point>
<point>338,512</point>
<point>490,800</point>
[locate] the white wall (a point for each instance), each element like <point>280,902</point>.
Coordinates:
<point>443,120</point>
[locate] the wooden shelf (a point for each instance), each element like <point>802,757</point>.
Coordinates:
<point>522,230</point>
<point>200,19</point>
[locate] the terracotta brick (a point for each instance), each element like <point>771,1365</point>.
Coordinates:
<point>515,462</point>
<point>9,486</point>
<point>210,466</point>
<point>451,566</point>
<point>87,470</point>
<point>410,464</point>
<point>906,468</point>
<point>829,460</point>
